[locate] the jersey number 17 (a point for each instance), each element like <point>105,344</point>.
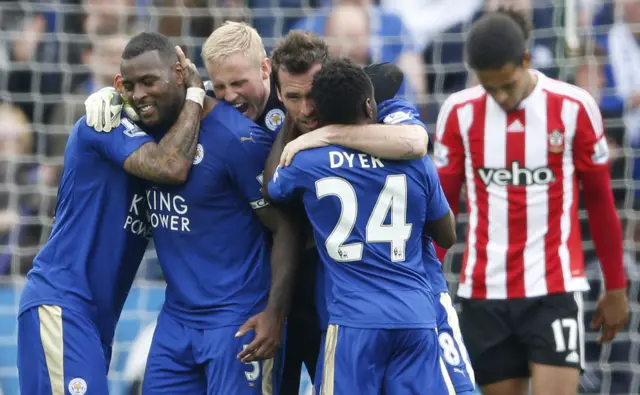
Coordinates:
<point>392,198</point>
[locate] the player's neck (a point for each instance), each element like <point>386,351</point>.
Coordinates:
<point>208,105</point>
<point>267,95</point>
<point>532,81</point>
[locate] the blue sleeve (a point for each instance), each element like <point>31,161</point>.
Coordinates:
<point>398,111</point>
<point>117,145</point>
<point>437,205</point>
<point>285,182</point>
<point>244,156</point>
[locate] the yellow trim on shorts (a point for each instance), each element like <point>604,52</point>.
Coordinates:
<point>328,375</point>
<point>267,377</point>
<point>52,342</point>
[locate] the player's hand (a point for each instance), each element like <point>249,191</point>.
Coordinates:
<point>314,139</point>
<point>268,327</point>
<point>611,314</point>
<point>103,109</point>
<point>189,71</point>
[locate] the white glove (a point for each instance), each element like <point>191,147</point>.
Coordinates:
<point>103,110</point>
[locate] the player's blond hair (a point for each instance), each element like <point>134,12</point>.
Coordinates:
<point>232,38</point>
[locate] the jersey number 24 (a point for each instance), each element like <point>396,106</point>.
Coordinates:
<point>392,198</point>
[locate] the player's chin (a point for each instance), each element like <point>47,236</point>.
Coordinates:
<point>307,126</point>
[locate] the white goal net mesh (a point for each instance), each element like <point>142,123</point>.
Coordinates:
<point>53,53</point>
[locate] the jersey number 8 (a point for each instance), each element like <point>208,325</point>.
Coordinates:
<point>392,198</point>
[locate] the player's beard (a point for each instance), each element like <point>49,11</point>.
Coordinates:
<point>167,116</point>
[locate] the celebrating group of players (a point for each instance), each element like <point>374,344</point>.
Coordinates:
<point>311,237</point>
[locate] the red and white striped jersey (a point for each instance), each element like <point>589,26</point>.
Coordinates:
<point>521,172</point>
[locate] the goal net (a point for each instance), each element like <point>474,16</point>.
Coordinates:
<point>53,53</point>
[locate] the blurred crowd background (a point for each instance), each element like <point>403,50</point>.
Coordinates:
<point>53,53</point>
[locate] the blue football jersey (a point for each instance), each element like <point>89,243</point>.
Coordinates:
<point>368,217</point>
<point>100,231</point>
<point>212,247</point>
<point>440,205</point>
<point>398,111</point>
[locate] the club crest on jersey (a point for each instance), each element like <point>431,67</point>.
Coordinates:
<point>77,386</point>
<point>199,154</point>
<point>274,118</point>
<point>556,142</point>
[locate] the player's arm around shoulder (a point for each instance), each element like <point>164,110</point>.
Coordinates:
<point>398,135</point>
<point>170,160</point>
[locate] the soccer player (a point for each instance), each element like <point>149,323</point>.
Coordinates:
<point>224,310</point>
<point>368,216</point>
<point>296,59</point>
<point>236,61</point>
<point>75,292</point>
<point>524,143</point>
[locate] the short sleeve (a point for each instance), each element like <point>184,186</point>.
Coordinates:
<point>286,182</point>
<point>398,111</point>
<point>118,144</point>
<point>590,144</point>
<point>437,205</point>
<point>245,155</point>
<point>448,149</point>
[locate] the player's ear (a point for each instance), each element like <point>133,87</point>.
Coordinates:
<point>117,83</point>
<point>368,108</point>
<point>178,74</point>
<point>265,68</point>
<point>526,59</point>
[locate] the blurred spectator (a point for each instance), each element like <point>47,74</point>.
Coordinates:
<point>445,54</point>
<point>274,18</point>
<point>192,21</point>
<point>623,50</point>
<point>347,33</point>
<point>110,17</point>
<point>388,40</point>
<point>37,50</point>
<point>103,61</point>
<point>427,19</point>
<point>589,75</point>
<point>19,225</point>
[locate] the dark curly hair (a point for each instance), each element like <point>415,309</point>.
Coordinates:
<point>297,52</point>
<point>340,92</point>
<point>498,38</point>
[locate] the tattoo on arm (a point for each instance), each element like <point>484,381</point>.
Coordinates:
<point>169,161</point>
<point>410,152</point>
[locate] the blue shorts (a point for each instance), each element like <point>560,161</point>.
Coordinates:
<point>184,360</point>
<point>390,361</point>
<point>60,352</point>
<point>454,353</point>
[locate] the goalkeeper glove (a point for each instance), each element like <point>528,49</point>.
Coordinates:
<point>104,107</point>
<point>386,79</point>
